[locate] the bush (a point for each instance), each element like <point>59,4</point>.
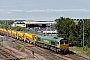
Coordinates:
<point>18,47</point>
<point>22,48</point>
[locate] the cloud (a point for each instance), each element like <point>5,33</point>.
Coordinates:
<point>44,10</point>
<point>35,10</point>
<point>9,13</point>
<point>58,10</point>
<point>1,10</point>
<point>17,10</point>
<point>45,18</point>
<point>48,10</point>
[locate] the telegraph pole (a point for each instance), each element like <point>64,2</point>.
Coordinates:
<point>83,33</point>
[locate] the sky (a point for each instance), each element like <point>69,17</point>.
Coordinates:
<point>44,9</point>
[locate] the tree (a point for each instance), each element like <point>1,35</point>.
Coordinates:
<point>67,28</point>
<point>18,28</point>
<point>6,23</point>
<point>87,32</point>
<point>63,26</point>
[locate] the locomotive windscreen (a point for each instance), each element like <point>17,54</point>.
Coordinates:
<point>64,41</point>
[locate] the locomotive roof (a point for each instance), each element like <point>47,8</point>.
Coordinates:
<point>50,38</point>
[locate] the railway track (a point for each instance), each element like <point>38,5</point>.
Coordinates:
<point>43,52</point>
<point>61,56</point>
<point>50,55</point>
<point>76,57</point>
<point>6,56</point>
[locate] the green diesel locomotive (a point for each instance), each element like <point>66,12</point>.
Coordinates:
<point>56,44</point>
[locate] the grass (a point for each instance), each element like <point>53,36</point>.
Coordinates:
<point>88,52</point>
<point>77,55</point>
<point>81,50</point>
<point>78,49</point>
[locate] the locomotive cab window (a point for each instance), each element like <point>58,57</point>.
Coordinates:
<point>53,43</point>
<point>38,38</point>
<point>66,42</point>
<point>63,41</point>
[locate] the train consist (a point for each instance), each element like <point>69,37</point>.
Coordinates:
<point>55,44</point>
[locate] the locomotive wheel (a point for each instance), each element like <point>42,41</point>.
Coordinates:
<point>54,49</point>
<point>48,47</point>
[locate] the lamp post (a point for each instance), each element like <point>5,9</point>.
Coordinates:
<point>50,28</point>
<point>83,33</point>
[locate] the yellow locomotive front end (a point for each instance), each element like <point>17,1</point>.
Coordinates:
<point>64,45</point>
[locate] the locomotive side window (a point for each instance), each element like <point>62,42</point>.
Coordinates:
<point>53,43</point>
<point>38,38</point>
